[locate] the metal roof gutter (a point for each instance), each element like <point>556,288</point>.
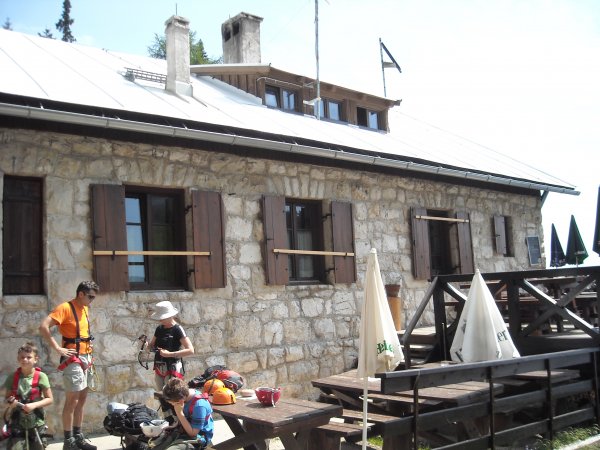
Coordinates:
<point>29,112</point>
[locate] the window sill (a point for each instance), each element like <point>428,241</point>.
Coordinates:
<point>301,284</point>
<point>159,295</point>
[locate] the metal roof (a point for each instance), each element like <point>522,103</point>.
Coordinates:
<point>52,70</point>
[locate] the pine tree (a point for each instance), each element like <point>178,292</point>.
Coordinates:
<point>7,25</point>
<point>197,53</point>
<point>65,22</point>
<point>47,34</point>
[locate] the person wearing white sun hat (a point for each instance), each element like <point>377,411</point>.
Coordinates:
<point>171,345</point>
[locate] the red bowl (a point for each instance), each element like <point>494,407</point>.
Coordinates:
<point>268,396</point>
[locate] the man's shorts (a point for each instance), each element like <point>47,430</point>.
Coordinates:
<point>74,377</point>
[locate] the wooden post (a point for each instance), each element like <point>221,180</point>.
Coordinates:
<point>395,304</point>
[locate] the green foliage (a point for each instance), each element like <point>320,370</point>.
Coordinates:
<point>198,55</point>
<point>7,25</point>
<point>65,22</point>
<point>158,49</point>
<point>567,437</point>
<point>377,441</point>
<point>47,34</point>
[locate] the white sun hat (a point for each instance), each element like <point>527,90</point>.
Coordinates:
<point>164,310</point>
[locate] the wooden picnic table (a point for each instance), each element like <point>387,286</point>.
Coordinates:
<point>290,420</point>
<point>347,389</point>
<point>350,386</point>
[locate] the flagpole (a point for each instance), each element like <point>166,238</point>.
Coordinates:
<point>364,416</point>
<point>317,106</point>
<point>365,372</point>
<point>382,67</point>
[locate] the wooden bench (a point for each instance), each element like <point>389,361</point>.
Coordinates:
<point>328,437</point>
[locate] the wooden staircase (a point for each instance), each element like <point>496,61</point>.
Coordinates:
<point>422,344</point>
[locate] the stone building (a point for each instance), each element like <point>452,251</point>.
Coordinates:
<point>103,153</point>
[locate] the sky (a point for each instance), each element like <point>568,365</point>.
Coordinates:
<point>521,77</point>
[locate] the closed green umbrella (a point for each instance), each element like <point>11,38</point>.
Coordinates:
<point>557,254</point>
<point>576,252</point>
<point>596,246</point>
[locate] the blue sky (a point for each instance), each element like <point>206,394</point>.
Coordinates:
<point>518,76</point>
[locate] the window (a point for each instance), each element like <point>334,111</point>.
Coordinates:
<point>367,118</point>
<point>441,243</point>
<point>154,221</point>
<point>150,219</point>
<point>22,236</point>
<point>330,109</point>
<point>280,98</point>
<point>502,227</point>
<point>533,249</point>
<point>293,224</point>
<point>303,222</point>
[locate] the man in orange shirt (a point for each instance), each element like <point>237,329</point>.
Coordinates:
<point>72,320</point>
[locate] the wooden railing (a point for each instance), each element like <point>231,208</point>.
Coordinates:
<point>506,416</point>
<point>450,292</point>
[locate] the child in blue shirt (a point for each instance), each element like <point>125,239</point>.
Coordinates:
<point>193,411</point>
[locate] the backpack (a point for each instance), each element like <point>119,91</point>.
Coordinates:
<point>119,423</point>
<point>231,379</point>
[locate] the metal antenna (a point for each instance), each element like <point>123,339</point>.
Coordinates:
<point>318,98</point>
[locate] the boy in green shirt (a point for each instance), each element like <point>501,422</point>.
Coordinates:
<point>27,392</point>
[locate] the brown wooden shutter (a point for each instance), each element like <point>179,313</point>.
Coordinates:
<point>421,248</point>
<point>465,246</point>
<point>22,246</point>
<point>343,241</point>
<point>209,236</point>
<point>500,234</point>
<point>275,237</point>
<point>109,233</point>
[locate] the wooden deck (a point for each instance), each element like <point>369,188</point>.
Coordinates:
<point>546,311</point>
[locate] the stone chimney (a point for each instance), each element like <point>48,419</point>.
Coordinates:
<point>241,39</point>
<point>178,55</point>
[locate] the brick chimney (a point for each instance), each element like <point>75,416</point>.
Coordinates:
<point>178,55</point>
<point>241,39</point>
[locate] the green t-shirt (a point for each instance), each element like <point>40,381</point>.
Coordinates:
<point>34,419</point>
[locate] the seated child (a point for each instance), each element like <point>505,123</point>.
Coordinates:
<point>27,393</point>
<point>194,414</point>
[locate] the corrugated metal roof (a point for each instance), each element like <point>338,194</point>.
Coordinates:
<point>53,70</point>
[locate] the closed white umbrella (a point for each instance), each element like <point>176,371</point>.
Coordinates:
<point>481,334</point>
<point>379,348</point>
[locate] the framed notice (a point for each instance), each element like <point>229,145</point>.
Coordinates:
<point>533,248</point>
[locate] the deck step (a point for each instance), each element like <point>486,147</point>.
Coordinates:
<point>423,335</point>
<point>421,348</point>
<point>355,415</point>
<point>342,429</point>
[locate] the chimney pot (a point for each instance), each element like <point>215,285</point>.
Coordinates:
<point>177,33</point>
<point>241,39</point>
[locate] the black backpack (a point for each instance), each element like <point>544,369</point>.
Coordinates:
<point>119,423</point>
<point>210,373</point>
<point>230,379</point>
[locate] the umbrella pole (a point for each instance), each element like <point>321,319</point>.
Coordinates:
<point>364,418</point>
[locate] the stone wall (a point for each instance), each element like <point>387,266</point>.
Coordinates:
<point>273,335</point>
